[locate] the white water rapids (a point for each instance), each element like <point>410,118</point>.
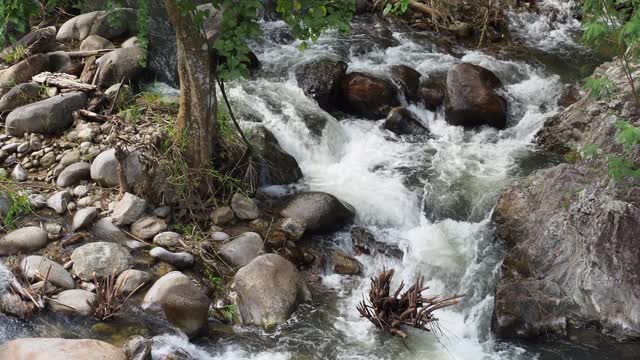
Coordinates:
<point>432,196</point>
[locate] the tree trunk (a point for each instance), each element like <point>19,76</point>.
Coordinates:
<point>197,117</point>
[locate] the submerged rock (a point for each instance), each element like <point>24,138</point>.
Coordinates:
<point>345,264</point>
<point>59,349</point>
<point>269,290</point>
<point>368,96</point>
<point>472,98</point>
<point>407,80</point>
<point>320,80</point>
<point>321,212</point>
<point>402,121</point>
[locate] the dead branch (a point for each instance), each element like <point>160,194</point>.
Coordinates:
<point>121,155</point>
<point>92,117</point>
<point>393,312</point>
<point>88,53</point>
<point>110,299</point>
<point>63,81</point>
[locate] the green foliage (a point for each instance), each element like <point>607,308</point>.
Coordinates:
<point>598,87</point>
<point>590,151</point>
<point>17,54</point>
<point>628,135</point>
<point>16,13</point>
<point>397,7</point>
<point>19,204</point>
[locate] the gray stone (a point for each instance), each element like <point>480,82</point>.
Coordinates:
<point>167,239</point>
<point>103,258</point>
<point>181,260</point>
<point>222,215</point>
<point>24,70</point>
<point>131,279</point>
<point>70,157</point>
<point>95,42</point>
<point>59,349</point>
<point>181,301</point>
<point>293,228</point>
<point>37,200</point>
<point>37,265</point>
<point>73,174</point>
<point>59,201</point>
<point>75,301</point>
<point>220,236</point>
<point>269,290</point>
<point>108,24</point>
<point>148,227</point>
<point>84,217</point>
<point>120,63</point>
<point>19,174</point>
<point>104,168</point>
<point>241,250</point>
<point>131,42</point>
<point>20,95</point>
<point>244,207</point>
<point>24,241</point>
<point>81,191</point>
<point>129,209</point>
<point>162,212</point>
<point>50,116</point>
<point>321,212</point>
<point>276,167</point>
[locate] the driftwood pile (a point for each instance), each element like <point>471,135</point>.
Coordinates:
<point>391,312</point>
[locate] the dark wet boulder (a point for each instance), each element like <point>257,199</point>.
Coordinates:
<point>407,80</point>
<point>269,289</point>
<point>345,264</point>
<point>109,24</point>
<point>276,166</point>
<point>20,95</point>
<point>364,242</point>
<point>472,98</point>
<point>431,94</point>
<point>49,116</point>
<point>121,63</point>
<point>368,96</point>
<point>402,121</point>
<point>321,212</point>
<point>36,42</point>
<point>320,80</point>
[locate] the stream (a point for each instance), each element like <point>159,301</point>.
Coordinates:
<point>431,196</point>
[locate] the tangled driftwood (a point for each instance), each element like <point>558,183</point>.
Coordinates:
<point>392,312</point>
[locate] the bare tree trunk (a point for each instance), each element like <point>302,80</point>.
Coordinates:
<point>197,117</point>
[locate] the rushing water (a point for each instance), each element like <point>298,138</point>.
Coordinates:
<point>432,196</point>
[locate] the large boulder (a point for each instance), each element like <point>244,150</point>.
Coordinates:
<point>181,301</point>
<point>36,265</point>
<point>20,95</point>
<point>276,166</point>
<point>123,63</point>
<point>240,251</point>
<point>101,258</point>
<point>407,79</point>
<point>50,116</point>
<point>321,212</point>
<point>59,349</point>
<point>95,42</point>
<point>269,290</point>
<point>320,80</point>
<point>401,121</point>
<point>104,168</point>
<point>38,41</point>
<point>24,70</point>
<point>23,241</point>
<point>431,94</point>
<point>472,98</point>
<point>368,96</point>
<point>108,24</point>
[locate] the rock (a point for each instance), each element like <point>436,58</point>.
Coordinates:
<point>80,191</point>
<point>148,227</point>
<point>345,264</point>
<point>402,121</point>
<point>128,210</point>
<point>162,212</point>
<point>83,218</point>
<point>222,215</point>
<point>24,70</point>
<point>73,174</point>
<point>70,158</point>
<point>241,250</point>
<point>104,168</point>
<point>38,201</point>
<point>269,290</point>
<point>181,260</point>
<point>59,201</point>
<point>54,231</point>
<point>19,174</point>
<point>320,211</point>
<point>108,24</point>
<point>75,301</point>
<point>59,61</point>
<point>137,348</point>
<point>431,94</point>
<point>472,99</point>
<point>50,116</point>
<point>13,305</point>
<point>105,230</point>
<point>20,95</point>
<point>95,42</point>
<point>131,279</point>
<point>320,80</point>
<point>244,207</point>
<point>23,241</point>
<point>103,258</point>
<point>367,96</point>
<point>167,239</point>
<point>364,242</point>
<point>131,42</point>
<point>407,80</point>
<point>59,349</point>
<point>220,236</point>
<point>58,276</point>
<point>120,63</point>
<point>276,166</point>
<point>182,302</point>
<point>38,41</point>
<point>293,228</point>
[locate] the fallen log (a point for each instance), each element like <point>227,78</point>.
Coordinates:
<point>63,81</point>
<point>392,312</point>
